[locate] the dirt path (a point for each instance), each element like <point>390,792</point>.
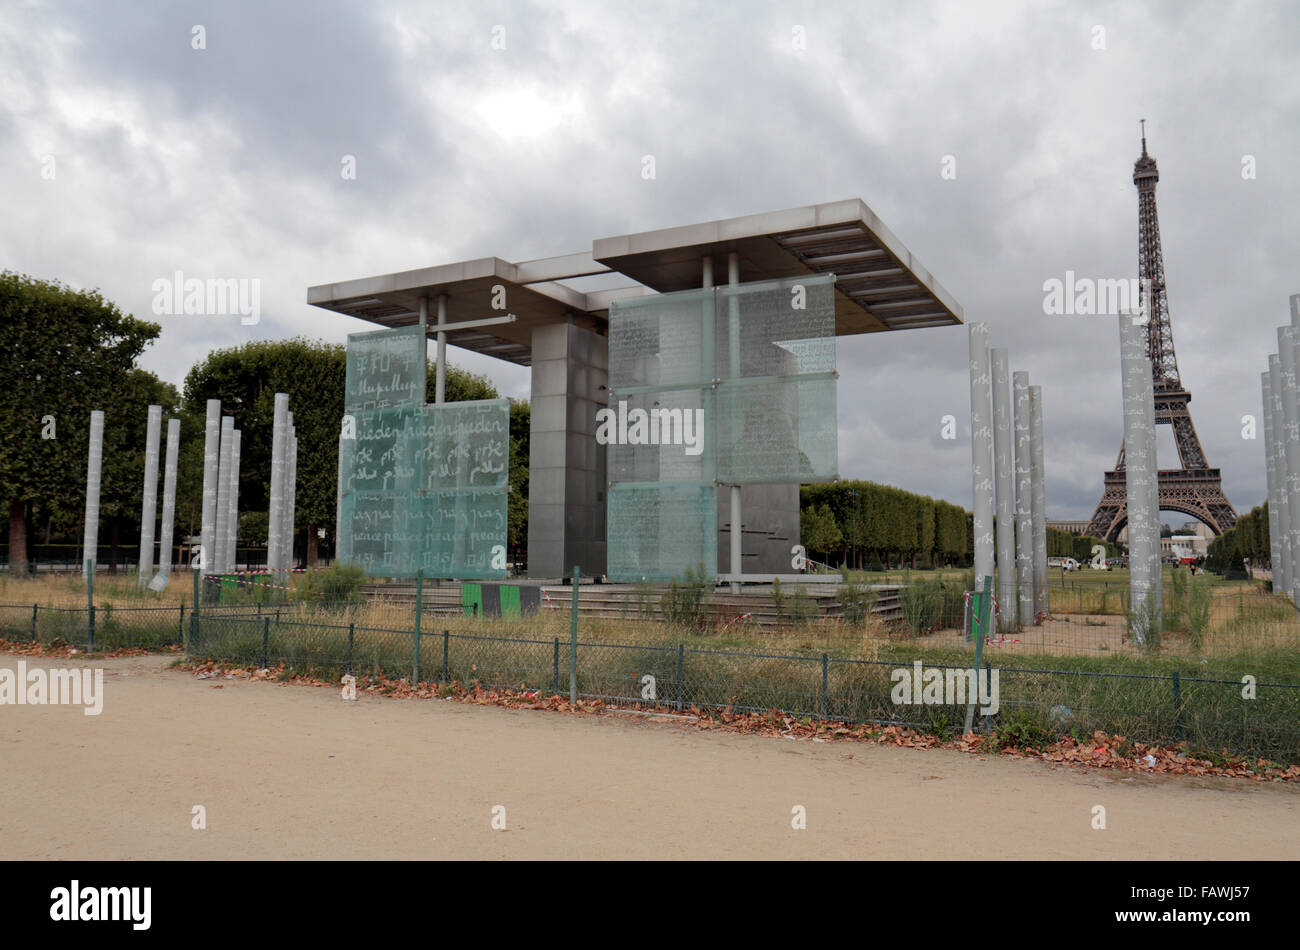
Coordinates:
<point>295,772</point>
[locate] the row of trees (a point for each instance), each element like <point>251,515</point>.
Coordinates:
<point>878,526</point>
<point>1247,540</point>
<point>866,524</point>
<point>1078,546</point>
<point>71,351</point>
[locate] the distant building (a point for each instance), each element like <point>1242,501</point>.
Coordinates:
<point>1072,527</point>
<point>1191,545</point>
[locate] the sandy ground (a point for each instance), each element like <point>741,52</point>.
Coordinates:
<point>295,772</point>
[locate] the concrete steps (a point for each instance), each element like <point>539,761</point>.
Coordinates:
<point>624,601</point>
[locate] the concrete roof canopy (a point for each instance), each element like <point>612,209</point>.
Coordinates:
<point>879,284</point>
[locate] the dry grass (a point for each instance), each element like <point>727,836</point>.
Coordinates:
<point>69,590</point>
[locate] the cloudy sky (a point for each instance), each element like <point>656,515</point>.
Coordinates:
<point>126,155</point>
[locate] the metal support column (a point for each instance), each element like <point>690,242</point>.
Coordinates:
<point>1024,501</point>
<point>169,498</point>
<point>94,467</point>
<point>149,501</point>
<point>1005,479</point>
<point>981,444</point>
<point>211,458</point>
<point>733,344</point>
<point>1038,501</point>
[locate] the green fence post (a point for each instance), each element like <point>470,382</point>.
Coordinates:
<point>352,629</point>
<point>180,623</point>
<point>681,686</point>
<point>90,605</point>
<point>555,667</point>
<point>419,609</point>
<point>446,645</point>
<point>825,678</point>
<point>573,642</point>
<point>35,608</point>
<point>191,645</point>
<point>266,636</point>
<point>981,615</point>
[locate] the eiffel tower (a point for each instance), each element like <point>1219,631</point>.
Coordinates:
<point>1194,488</point>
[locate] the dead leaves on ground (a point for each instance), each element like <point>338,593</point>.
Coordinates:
<point>1100,751</point>
<point>64,650</point>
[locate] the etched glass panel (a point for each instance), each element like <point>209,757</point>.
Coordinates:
<point>659,436</point>
<point>458,530</point>
<point>658,530</point>
<point>776,328</point>
<point>426,487</point>
<point>749,370</point>
<point>386,369</point>
<point>777,430</point>
<point>662,340</point>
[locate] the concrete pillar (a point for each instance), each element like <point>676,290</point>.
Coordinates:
<point>219,565</point>
<point>733,363</point>
<point>1005,479</point>
<point>169,497</point>
<point>981,444</point>
<point>1038,501</point>
<point>279,456</point>
<point>1024,500</point>
<point>290,500</point>
<point>566,494</point>
<point>1143,521</point>
<point>232,495</point>
<point>1153,488</point>
<point>94,468</point>
<point>211,460</point>
<point>1290,445</point>
<point>1279,469</point>
<point>149,501</point>
<point>1270,468</point>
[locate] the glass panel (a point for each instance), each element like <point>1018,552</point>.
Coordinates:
<point>465,445</point>
<point>386,369</point>
<point>657,531</point>
<point>780,327</point>
<point>662,340</point>
<point>658,436</point>
<point>777,430</point>
<point>384,456</point>
<point>426,487</point>
<point>751,368</point>
<point>457,532</point>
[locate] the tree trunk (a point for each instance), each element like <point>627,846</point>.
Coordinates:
<point>311,545</point>
<point>17,539</point>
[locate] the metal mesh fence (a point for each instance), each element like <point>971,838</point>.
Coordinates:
<point>1245,700</point>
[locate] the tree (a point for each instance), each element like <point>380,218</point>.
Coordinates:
<point>818,530</point>
<point>66,352</point>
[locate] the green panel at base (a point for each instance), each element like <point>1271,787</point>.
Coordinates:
<point>510,602</point>
<point>471,599</point>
